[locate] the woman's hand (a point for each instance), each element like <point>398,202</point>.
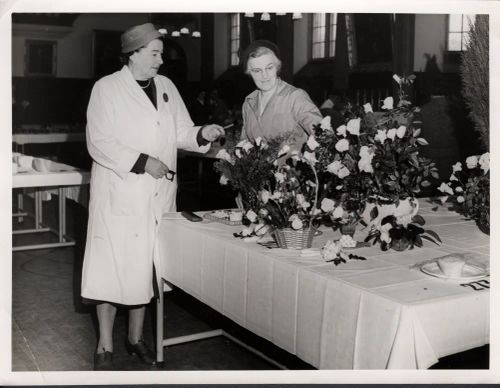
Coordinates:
<point>212,132</point>
<point>156,168</point>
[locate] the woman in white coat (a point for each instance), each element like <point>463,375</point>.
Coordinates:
<point>136,120</point>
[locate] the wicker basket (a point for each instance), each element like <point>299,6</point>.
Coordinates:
<point>294,239</point>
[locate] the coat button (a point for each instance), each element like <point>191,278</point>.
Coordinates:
<point>156,222</point>
<point>156,194</point>
<point>157,123</point>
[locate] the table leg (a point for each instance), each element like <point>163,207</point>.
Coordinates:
<point>159,324</point>
<point>37,209</point>
<point>20,205</point>
<point>62,214</point>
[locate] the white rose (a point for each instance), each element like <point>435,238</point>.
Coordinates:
<point>396,78</point>
<point>327,205</point>
<point>326,123</point>
<point>338,212</point>
<point>388,103</point>
<point>471,161</point>
<point>342,145</point>
<point>401,131</point>
<point>280,177</point>
<point>258,141</point>
<point>224,155</point>
<point>459,189</point>
<point>353,126</point>
<point>457,167</point>
<point>368,108</point>
<point>310,156</point>
<point>264,196</point>
<point>312,143</point>
<point>238,153</point>
<point>241,143</point>
<point>365,152</point>
<point>283,150</point>
<point>334,167</point>
<point>460,199</point>
<point>484,162</point>
<point>301,200</point>
<point>453,178</point>
<point>247,146</point>
<point>365,164</point>
<point>251,216</point>
<point>391,133</point>
<point>343,172</point>
<point>277,195</point>
<point>381,135</point>
<point>297,224</point>
<point>342,130</point>
<point>223,180</point>
<point>263,212</point>
<point>444,188</point>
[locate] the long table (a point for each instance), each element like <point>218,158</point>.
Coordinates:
<point>61,178</point>
<point>382,313</point>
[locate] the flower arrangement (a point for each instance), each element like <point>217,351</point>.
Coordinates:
<point>469,189</point>
<point>400,235</point>
<point>248,166</point>
<point>290,199</point>
<point>372,159</point>
<point>334,251</point>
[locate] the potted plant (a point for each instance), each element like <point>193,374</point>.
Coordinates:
<point>288,204</point>
<point>247,167</point>
<point>371,166</point>
<point>468,189</point>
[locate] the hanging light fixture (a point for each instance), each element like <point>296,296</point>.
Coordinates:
<point>296,16</point>
<point>176,33</point>
<point>248,15</point>
<point>184,30</point>
<point>265,17</point>
<point>196,34</point>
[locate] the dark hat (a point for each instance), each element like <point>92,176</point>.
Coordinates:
<point>252,47</point>
<point>138,36</point>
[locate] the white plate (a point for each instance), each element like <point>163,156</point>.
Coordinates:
<point>469,271</point>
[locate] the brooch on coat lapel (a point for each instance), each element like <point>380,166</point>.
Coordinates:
<point>165,97</point>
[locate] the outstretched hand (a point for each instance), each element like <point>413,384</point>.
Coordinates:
<point>212,132</point>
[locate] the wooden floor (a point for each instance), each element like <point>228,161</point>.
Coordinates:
<point>53,331</point>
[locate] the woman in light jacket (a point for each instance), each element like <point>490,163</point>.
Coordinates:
<point>136,120</point>
<point>276,108</point>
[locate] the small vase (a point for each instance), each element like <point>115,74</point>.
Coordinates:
<point>348,229</point>
<point>288,238</point>
<point>400,245</point>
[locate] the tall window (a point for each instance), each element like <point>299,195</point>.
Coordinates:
<point>458,31</point>
<point>235,39</point>
<point>324,35</point>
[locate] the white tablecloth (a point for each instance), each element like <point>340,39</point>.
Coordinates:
<point>60,175</point>
<point>372,314</point>
<point>32,138</point>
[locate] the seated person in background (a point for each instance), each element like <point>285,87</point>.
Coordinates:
<point>329,103</point>
<point>219,113</point>
<point>276,108</point>
<point>199,109</point>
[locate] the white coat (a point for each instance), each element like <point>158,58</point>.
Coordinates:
<point>125,208</point>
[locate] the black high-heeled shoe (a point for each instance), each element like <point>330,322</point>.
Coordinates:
<point>140,349</point>
<point>103,361</point>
